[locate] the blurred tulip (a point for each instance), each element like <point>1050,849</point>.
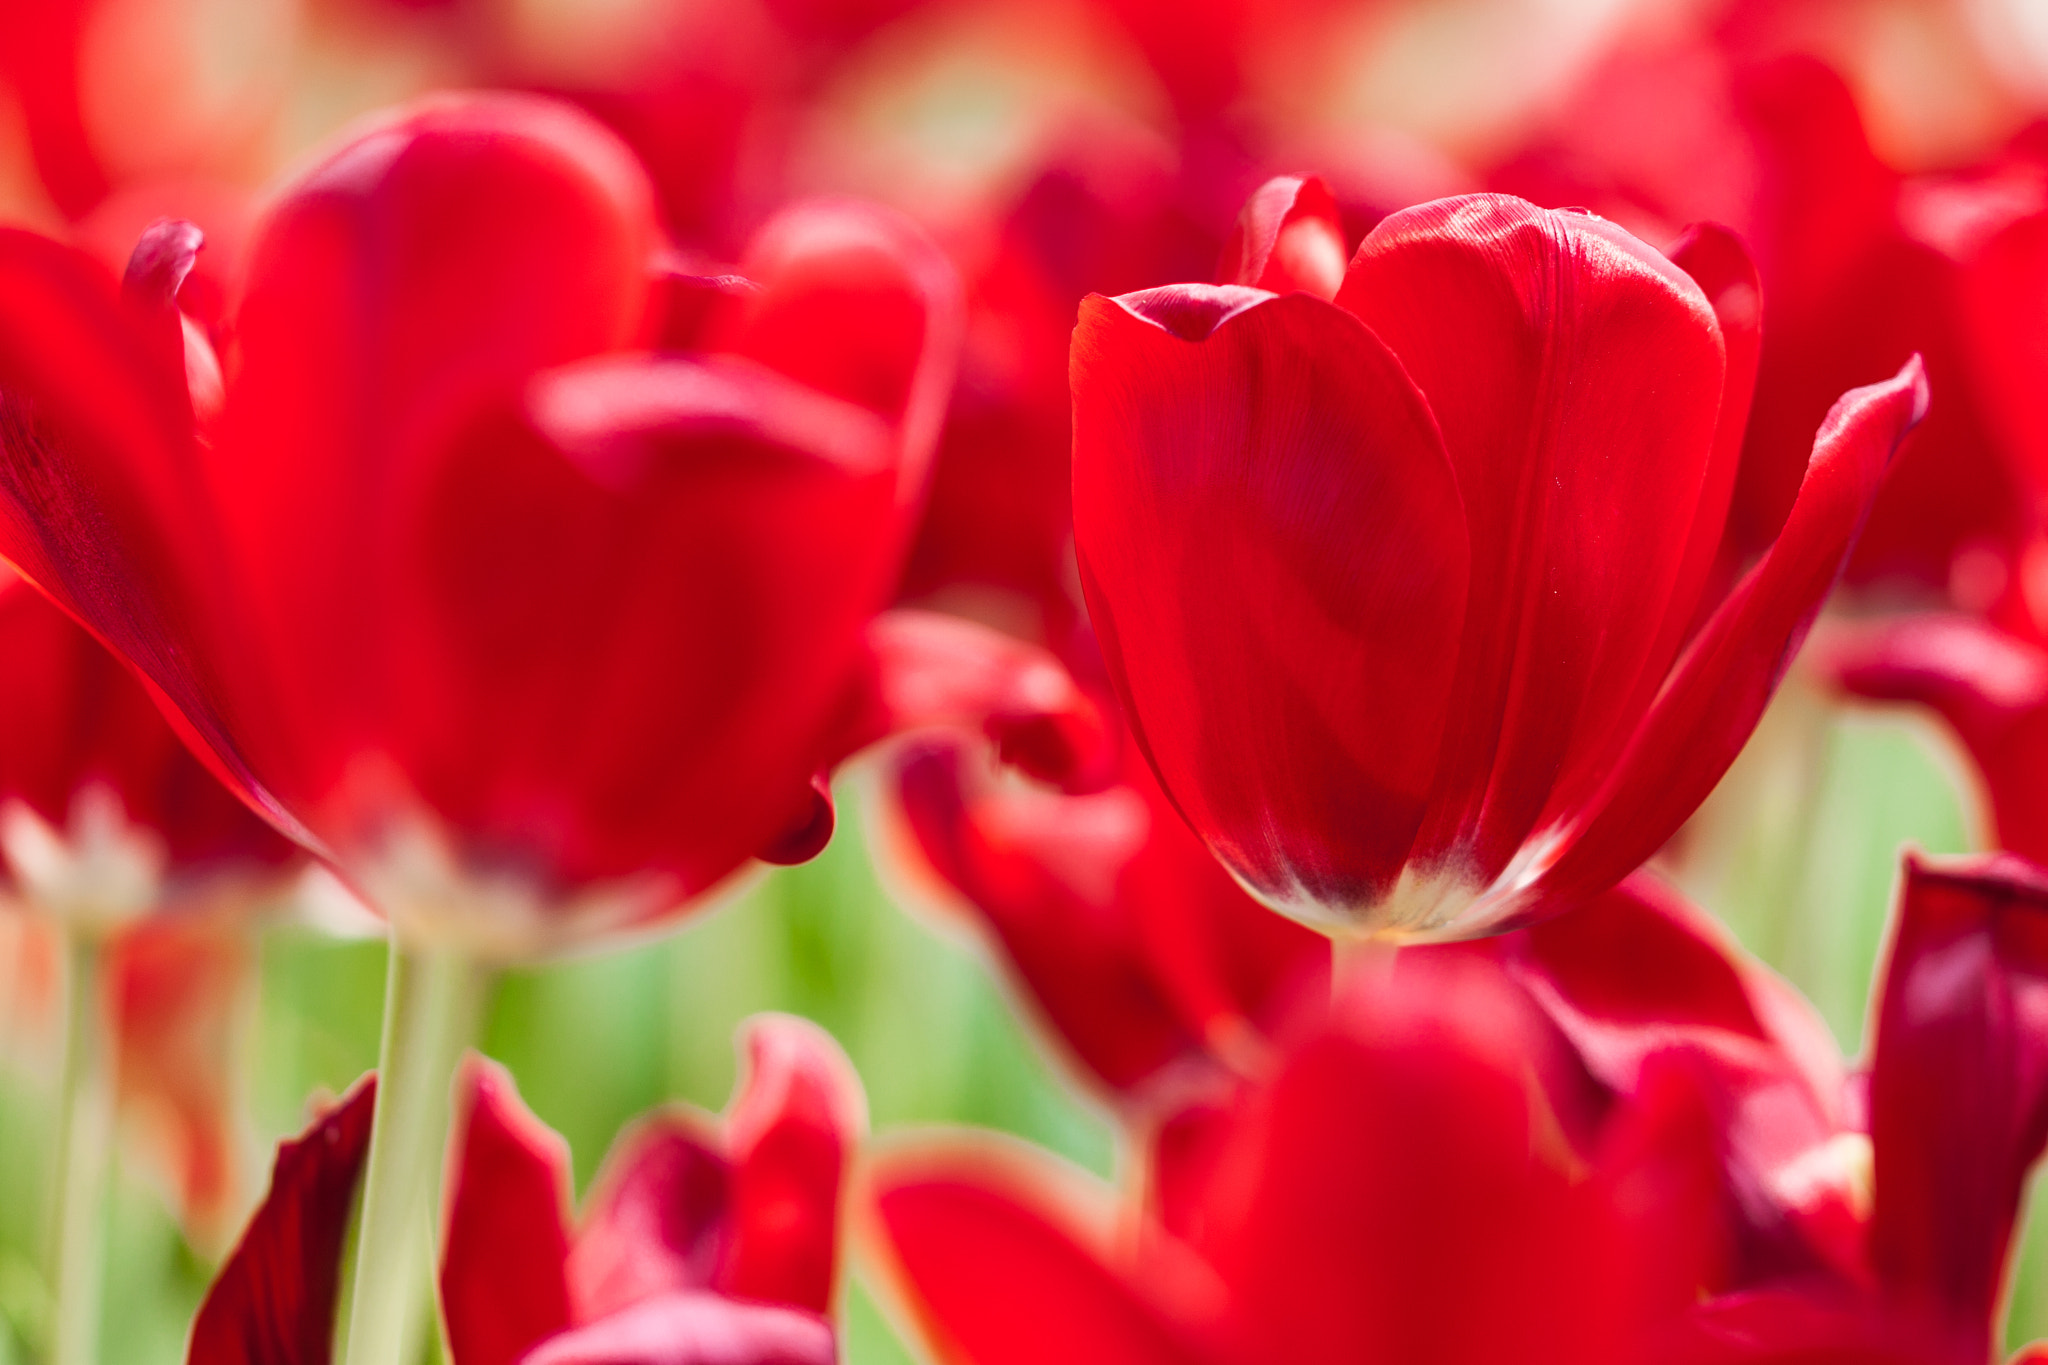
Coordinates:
<point>1474,713</point>
<point>1958,1114</point>
<point>1390,1194</point>
<point>694,1233</point>
<point>533,634</point>
<point>1139,951</point>
<point>1853,280</point>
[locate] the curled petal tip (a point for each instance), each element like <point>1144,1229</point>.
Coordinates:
<point>162,259</point>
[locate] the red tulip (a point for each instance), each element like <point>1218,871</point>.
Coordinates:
<point>1390,1194</point>
<point>1958,1113</point>
<point>695,1244</point>
<point>1859,271</point>
<point>1394,588</point>
<point>529,631</point>
<point>1135,947</point>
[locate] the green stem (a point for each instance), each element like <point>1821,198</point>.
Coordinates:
<point>85,1135</point>
<point>430,1002</point>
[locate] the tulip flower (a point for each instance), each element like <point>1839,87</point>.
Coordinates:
<point>1396,589</point>
<point>701,1239</point>
<point>1858,272</point>
<point>1390,1193</point>
<point>1146,961</point>
<point>1957,1116</point>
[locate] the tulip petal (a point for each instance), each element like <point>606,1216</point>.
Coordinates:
<point>506,1246</point>
<point>953,1236</point>
<point>694,1329</point>
<point>1576,375</point>
<point>1274,555</point>
<point>1288,237</point>
<point>795,1121</point>
<point>1706,711</point>
<point>1959,1087</point>
<point>653,1219</point>
<point>1042,871</point>
<point>273,1302</point>
<point>856,302</point>
<point>1990,687</point>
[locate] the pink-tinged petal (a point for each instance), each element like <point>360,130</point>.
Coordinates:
<point>1727,675</point>
<point>1576,375</point>
<point>859,303</point>
<point>426,267</point>
<point>933,670</point>
<point>653,578</point>
<point>694,1329</point>
<point>179,986</point>
<point>1283,638</point>
<point>1990,687</point>
<point>2004,286</point>
<point>1042,870</point>
<point>163,257</point>
<point>273,1302</point>
<point>1787,1327</point>
<point>654,1219</point>
<point>1289,237</point>
<point>795,1122</point>
<point>1959,1087</point>
<point>505,1247</point>
<point>955,1234</point>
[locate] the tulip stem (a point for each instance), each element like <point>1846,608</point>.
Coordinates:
<point>430,1003</point>
<point>85,1136</point>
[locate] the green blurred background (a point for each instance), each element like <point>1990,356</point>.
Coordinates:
<point>1797,851</point>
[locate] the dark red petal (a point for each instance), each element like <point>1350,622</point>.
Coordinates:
<point>1289,237</point>
<point>990,1280</point>
<point>807,838</point>
<point>654,1219</point>
<point>1274,554</point>
<point>1959,1087</point>
<point>694,1329</point>
<point>795,1121</point>
<point>1576,375</point>
<point>1727,676</point>
<point>857,302</point>
<point>1043,872</point>
<point>98,499</point>
<point>930,670</point>
<point>504,1254</point>
<point>273,1302</point>
<point>1788,1327</point>
<point>1991,688</point>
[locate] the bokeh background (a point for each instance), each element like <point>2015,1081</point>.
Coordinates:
<point>1124,134</point>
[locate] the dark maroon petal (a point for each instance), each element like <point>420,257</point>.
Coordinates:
<point>1274,554</point>
<point>506,1243</point>
<point>1577,377</point>
<point>1959,1087</point>
<point>1289,237</point>
<point>273,1302</point>
<point>694,1329</point>
<point>1727,676</point>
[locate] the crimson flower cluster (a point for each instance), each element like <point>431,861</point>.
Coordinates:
<point>1287,675</point>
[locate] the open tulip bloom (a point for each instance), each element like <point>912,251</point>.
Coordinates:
<point>1611,1139</point>
<point>1399,569</point>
